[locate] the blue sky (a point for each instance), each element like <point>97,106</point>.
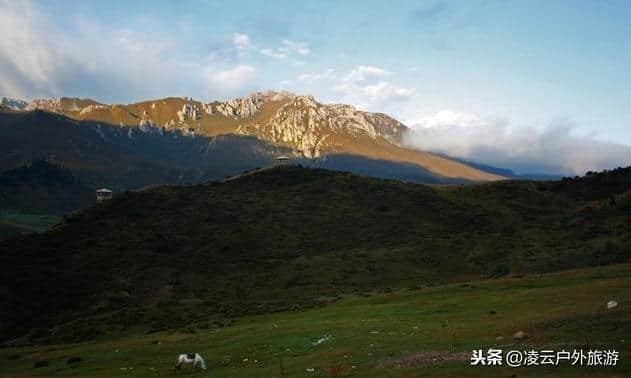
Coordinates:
<point>532,66</point>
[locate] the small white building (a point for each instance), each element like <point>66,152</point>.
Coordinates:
<point>103,195</point>
<point>282,160</point>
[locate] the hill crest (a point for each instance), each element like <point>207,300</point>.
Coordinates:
<point>169,254</point>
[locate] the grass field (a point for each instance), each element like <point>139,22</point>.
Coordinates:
<point>29,222</point>
<point>428,331</point>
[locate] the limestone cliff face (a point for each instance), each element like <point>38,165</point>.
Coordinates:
<point>313,128</point>
<point>245,107</point>
<point>62,105</point>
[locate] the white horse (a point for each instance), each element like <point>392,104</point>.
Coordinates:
<point>190,358</point>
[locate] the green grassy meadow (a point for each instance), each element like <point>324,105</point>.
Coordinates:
<point>15,223</point>
<point>29,222</point>
<point>428,331</point>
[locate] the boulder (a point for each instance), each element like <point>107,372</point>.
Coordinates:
<point>520,335</point>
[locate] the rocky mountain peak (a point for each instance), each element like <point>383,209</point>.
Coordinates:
<point>313,128</point>
<point>245,107</point>
<point>49,104</point>
<point>55,105</point>
<point>13,103</point>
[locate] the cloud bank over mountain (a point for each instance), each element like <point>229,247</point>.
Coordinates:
<point>554,149</point>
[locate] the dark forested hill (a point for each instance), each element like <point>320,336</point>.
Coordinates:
<point>291,237</point>
<point>44,188</point>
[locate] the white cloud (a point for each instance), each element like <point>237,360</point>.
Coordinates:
<point>374,97</point>
<point>232,79</point>
<point>300,48</point>
<point>362,73</point>
<point>447,118</point>
<point>273,53</point>
<point>385,92</point>
<point>365,88</point>
<point>27,62</point>
<point>555,149</point>
<point>87,58</point>
<point>41,59</point>
<point>241,42</point>
<point>287,48</point>
<point>311,77</point>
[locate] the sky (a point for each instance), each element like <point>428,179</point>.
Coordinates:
<point>539,85</point>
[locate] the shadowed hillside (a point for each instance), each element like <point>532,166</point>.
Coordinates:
<point>42,187</point>
<point>125,158</point>
<point>131,157</point>
<point>8,230</point>
<point>290,238</point>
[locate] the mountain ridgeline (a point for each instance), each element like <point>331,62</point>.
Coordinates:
<point>180,140</point>
<point>288,238</point>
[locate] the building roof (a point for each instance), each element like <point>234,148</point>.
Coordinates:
<point>282,158</point>
<point>104,191</point>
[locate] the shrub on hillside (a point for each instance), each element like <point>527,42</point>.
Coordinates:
<point>40,363</point>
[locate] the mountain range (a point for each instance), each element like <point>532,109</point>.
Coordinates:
<point>179,140</point>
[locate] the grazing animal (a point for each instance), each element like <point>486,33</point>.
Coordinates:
<point>190,358</point>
